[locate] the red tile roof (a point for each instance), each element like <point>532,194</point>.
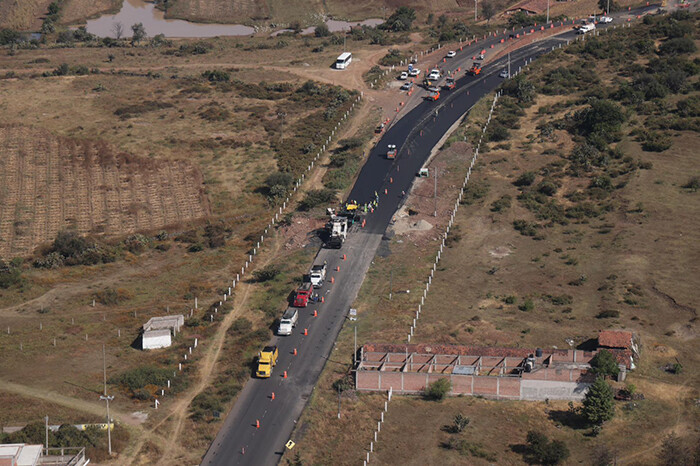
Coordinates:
<point>615,339</point>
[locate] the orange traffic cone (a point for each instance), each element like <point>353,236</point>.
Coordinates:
<point>257,423</point>
<point>332,279</point>
<point>306,332</point>
<point>337,269</point>
<point>315,313</point>
<point>284,375</point>
<point>272,397</point>
<point>295,351</point>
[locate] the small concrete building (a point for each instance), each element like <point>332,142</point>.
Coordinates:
<point>154,339</point>
<point>20,454</point>
<point>158,332</point>
<point>172,323</point>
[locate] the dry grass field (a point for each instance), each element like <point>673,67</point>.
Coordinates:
<point>52,184</point>
<point>22,15</point>
<point>632,266</point>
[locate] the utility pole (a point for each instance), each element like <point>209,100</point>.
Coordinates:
<point>354,354</point>
<point>548,12</point>
<point>107,399</point>
<point>391,281</point>
<point>509,64</point>
<point>338,401</point>
<point>475,6</point>
<point>608,12</point>
<point>46,422</point>
<point>436,177</point>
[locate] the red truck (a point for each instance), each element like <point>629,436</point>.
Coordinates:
<point>302,295</point>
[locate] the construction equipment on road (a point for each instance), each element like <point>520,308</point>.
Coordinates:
<point>267,359</point>
<point>318,275</point>
<point>433,93</point>
<point>337,229</point>
<point>302,295</point>
<point>391,152</point>
<point>475,69</point>
<point>288,321</point>
<point>450,83</point>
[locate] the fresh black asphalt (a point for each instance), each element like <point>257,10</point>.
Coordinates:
<point>239,441</point>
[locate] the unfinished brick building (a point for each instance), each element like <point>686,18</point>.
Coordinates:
<point>500,373</point>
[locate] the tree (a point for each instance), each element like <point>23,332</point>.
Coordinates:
<point>322,31</point>
<point>488,9</point>
<point>401,20</point>
<point>598,405</point>
<point>118,30</point>
<point>673,452</point>
<point>53,8</point>
<point>139,33</point>
<point>603,5</point>
<point>604,363</point>
<point>439,389</point>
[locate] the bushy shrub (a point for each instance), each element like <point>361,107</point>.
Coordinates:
<point>526,179</point>
<point>140,377</point>
<point>216,76</point>
<point>9,275</point>
<point>543,451</point>
<point>316,197</point>
<point>267,273</point>
<point>438,390</point>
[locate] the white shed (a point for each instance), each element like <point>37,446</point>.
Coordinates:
<point>153,339</point>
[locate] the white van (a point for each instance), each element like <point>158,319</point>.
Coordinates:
<point>288,321</point>
<point>343,60</point>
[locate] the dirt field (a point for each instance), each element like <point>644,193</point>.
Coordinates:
<point>52,184</point>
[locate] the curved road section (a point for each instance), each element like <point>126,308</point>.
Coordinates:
<point>258,427</point>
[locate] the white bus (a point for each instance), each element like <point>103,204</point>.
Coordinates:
<point>343,60</point>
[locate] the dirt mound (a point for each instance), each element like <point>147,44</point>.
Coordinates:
<point>51,183</point>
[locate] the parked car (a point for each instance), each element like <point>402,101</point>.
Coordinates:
<point>605,19</point>
<point>407,86</point>
<point>451,54</point>
<point>403,75</point>
<point>503,74</point>
<point>434,75</point>
<point>414,72</point>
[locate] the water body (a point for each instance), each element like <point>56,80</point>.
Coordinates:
<point>153,20</point>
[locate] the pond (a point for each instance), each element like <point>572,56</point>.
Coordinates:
<point>153,20</point>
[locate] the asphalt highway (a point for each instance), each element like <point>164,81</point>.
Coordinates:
<point>240,441</point>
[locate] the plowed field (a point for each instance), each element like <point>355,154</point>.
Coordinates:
<point>50,183</point>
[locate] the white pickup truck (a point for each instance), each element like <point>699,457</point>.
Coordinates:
<point>318,275</point>
<point>586,28</point>
<point>288,321</point>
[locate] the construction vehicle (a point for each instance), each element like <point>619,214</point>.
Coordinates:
<point>267,359</point>
<point>318,275</point>
<point>288,321</point>
<point>391,152</point>
<point>302,295</point>
<point>379,128</point>
<point>337,228</point>
<point>450,83</point>
<point>475,69</point>
<point>433,93</point>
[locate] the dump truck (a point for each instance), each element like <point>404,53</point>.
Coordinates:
<point>288,321</point>
<point>267,359</point>
<point>318,275</point>
<point>391,152</point>
<point>337,228</point>
<point>302,295</point>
